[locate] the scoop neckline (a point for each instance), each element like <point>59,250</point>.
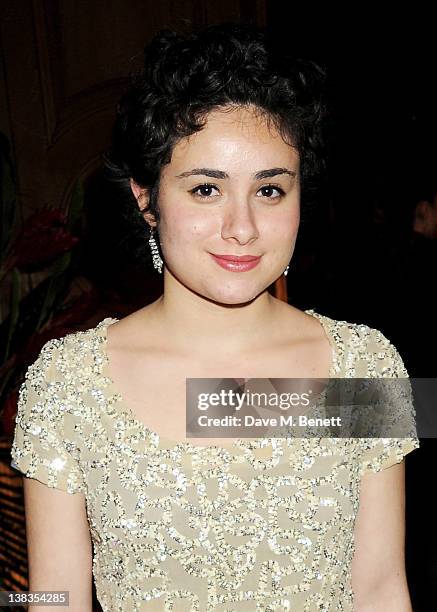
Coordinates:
<point>124,410</point>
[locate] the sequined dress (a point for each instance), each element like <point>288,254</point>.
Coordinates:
<point>264,524</point>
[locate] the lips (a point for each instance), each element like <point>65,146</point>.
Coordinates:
<point>237,257</point>
<point>236,263</point>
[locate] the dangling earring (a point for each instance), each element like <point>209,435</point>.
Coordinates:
<point>157,261</point>
<point>286,270</point>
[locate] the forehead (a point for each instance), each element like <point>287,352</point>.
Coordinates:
<point>233,137</point>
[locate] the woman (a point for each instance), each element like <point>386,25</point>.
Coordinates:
<point>216,141</point>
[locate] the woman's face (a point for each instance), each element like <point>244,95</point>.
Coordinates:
<point>231,189</point>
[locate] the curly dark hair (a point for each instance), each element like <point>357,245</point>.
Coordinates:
<point>186,76</point>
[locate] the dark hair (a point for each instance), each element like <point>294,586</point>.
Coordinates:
<point>185,76</point>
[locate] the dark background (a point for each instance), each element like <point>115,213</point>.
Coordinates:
<point>64,65</point>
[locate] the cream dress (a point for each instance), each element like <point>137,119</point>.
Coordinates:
<point>265,524</point>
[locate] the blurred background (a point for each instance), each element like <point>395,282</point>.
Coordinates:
<point>366,253</point>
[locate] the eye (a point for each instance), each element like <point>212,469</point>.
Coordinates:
<point>268,191</point>
<point>204,191</point>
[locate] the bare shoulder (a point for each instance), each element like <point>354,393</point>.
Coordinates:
<point>297,323</point>
<point>302,340</point>
<point>135,331</point>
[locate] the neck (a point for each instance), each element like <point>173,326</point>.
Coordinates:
<point>191,319</point>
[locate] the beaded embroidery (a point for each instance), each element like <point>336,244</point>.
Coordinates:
<point>263,525</point>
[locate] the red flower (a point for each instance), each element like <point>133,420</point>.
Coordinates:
<point>43,237</point>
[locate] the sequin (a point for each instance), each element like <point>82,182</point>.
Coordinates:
<point>179,527</point>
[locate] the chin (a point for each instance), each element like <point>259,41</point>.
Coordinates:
<point>233,297</point>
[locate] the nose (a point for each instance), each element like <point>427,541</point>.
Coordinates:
<point>239,223</point>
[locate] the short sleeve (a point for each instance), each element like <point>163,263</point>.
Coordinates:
<point>381,453</point>
<point>39,449</point>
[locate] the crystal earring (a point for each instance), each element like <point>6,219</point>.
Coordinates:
<point>157,261</point>
<point>286,270</point>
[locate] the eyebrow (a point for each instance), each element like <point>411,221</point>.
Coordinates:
<point>219,174</point>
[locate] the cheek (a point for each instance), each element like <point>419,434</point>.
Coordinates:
<point>185,228</point>
<point>283,226</point>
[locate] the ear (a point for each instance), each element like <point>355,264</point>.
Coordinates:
<point>141,195</point>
